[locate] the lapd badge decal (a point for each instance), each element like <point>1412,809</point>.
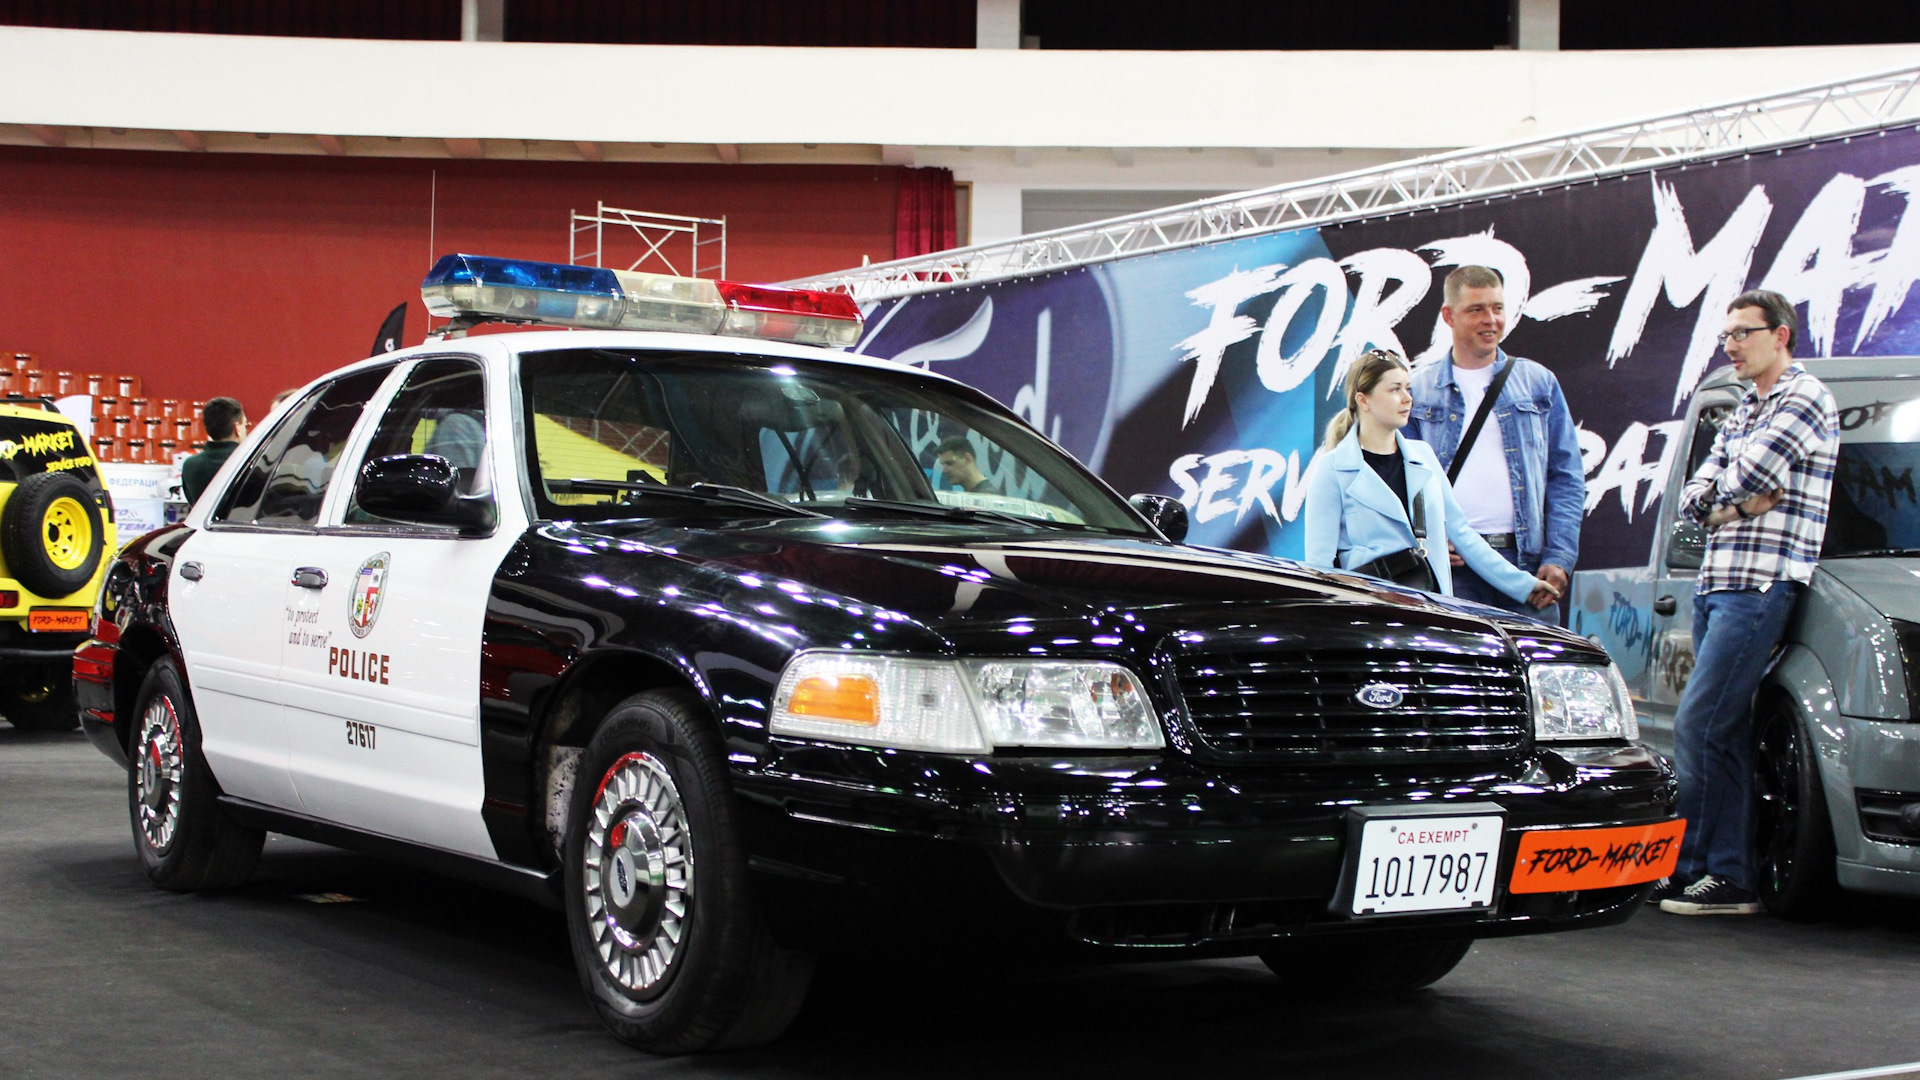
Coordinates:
<point>369,585</point>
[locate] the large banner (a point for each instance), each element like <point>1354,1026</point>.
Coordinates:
<point>1207,373</point>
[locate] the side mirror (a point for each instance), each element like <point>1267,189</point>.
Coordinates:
<point>1168,514</point>
<point>1686,545</point>
<point>421,489</point>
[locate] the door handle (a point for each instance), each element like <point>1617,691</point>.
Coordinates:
<point>1666,605</point>
<point>310,577</point>
<point>190,570</point>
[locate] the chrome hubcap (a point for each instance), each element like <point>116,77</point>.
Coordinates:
<point>638,870</point>
<point>157,774</point>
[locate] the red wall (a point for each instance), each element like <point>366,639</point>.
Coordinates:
<point>245,274</point>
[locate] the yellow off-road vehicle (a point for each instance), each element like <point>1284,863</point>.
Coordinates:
<point>56,527</point>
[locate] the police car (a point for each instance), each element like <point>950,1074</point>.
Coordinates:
<point>667,619</point>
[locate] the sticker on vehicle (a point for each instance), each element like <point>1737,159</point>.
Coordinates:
<point>369,583</point>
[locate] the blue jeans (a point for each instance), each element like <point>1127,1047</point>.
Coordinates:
<point>1468,585</point>
<point>1734,632</point>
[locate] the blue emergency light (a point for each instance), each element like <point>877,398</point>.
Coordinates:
<point>471,289</point>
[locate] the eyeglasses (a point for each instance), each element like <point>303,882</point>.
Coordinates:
<point>1383,354</point>
<point>1740,334</point>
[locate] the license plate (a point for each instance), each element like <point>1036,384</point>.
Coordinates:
<point>1425,863</point>
<point>57,619</point>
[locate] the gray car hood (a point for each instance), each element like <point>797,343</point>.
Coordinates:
<point>1891,583</point>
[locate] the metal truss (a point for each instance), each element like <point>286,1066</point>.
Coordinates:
<point>705,251</point>
<point>1776,120</point>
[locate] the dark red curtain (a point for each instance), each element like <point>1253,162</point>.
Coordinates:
<point>923,213</point>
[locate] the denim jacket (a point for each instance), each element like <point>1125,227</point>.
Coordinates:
<point>1543,452</point>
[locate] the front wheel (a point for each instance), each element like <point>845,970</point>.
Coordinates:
<point>1792,835</point>
<point>1369,966</point>
<point>659,911</point>
<point>186,842</point>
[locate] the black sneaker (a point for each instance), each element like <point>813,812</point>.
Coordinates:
<point>1712,896</point>
<point>1665,889</point>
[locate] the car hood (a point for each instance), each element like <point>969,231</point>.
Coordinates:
<point>1891,583</point>
<point>969,584</point>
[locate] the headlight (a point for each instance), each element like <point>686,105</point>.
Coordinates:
<point>1581,701</point>
<point>964,706</point>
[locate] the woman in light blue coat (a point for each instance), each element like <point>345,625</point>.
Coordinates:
<point>1380,504</point>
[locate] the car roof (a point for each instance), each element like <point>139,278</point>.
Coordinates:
<point>503,345</point>
<point>1834,369</point>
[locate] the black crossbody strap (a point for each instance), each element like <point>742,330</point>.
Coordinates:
<point>1479,420</point>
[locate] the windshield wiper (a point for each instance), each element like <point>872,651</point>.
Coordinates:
<point>950,513</point>
<point>1874,551</point>
<point>702,492</point>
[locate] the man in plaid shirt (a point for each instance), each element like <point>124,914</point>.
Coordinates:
<point>1762,495</point>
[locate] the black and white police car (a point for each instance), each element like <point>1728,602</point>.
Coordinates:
<point>671,622</point>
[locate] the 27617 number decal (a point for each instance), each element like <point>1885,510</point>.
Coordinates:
<point>1425,864</point>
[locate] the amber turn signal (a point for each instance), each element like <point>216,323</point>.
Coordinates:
<point>850,699</point>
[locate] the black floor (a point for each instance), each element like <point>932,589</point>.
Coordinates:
<point>417,976</point>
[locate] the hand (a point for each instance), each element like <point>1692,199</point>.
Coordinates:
<point>1453,557</point>
<point>1545,595</point>
<point>1754,507</point>
<point>1554,576</point>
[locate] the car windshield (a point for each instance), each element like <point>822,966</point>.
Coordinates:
<point>1874,507</point>
<point>619,433</point>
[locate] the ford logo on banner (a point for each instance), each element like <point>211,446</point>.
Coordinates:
<point>1379,695</point>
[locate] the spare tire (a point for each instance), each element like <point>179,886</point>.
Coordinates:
<point>51,535</point>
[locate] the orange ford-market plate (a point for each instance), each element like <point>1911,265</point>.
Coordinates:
<point>54,619</point>
<point>1562,860</point>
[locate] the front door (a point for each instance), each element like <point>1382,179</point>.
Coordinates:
<point>383,686</point>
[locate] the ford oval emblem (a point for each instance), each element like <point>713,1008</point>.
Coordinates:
<point>1379,695</point>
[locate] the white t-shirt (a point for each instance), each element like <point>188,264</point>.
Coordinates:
<point>1484,489</point>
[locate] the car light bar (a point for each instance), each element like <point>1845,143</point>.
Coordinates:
<point>476,288</point>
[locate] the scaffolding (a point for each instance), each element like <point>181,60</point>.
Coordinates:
<point>1762,123</point>
<point>702,242</point>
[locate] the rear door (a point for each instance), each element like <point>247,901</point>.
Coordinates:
<point>233,590</point>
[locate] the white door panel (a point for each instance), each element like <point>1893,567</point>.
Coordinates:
<point>385,727</point>
<point>231,623</point>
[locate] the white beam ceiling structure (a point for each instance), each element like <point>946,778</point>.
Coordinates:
<point>390,98</point>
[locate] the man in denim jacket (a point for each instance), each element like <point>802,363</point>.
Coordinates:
<point>1522,486</point>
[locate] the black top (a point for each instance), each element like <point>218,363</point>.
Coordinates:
<point>197,471</point>
<point>1393,469</point>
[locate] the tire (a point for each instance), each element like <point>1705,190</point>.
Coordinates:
<point>51,534</point>
<point>185,841</point>
<point>1792,834</point>
<point>660,915</point>
<point>41,703</point>
<point>1370,967</point>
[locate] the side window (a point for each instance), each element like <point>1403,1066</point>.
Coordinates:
<point>1712,419</point>
<point>442,410</point>
<point>286,479</point>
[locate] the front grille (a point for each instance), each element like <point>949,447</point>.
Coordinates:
<point>1302,705</point>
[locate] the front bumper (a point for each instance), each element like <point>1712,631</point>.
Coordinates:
<point>1127,850</point>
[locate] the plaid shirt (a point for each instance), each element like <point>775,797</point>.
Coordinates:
<point>1787,441</point>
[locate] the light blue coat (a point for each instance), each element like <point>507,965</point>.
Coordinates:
<point>1353,517</point>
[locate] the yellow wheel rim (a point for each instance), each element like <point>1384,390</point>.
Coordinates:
<point>69,534</point>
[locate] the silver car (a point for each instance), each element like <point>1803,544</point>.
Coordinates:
<point>1837,745</point>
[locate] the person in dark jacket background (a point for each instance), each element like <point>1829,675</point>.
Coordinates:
<point>226,423</point>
